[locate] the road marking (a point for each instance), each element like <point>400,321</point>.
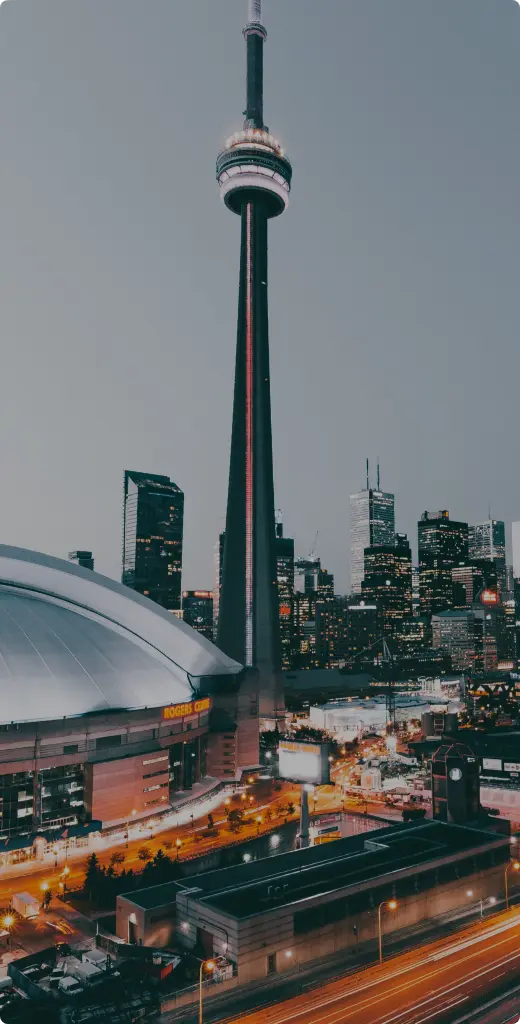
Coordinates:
<point>348,992</point>
<point>331,1017</point>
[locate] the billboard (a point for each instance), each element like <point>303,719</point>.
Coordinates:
<point>492,764</point>
<point>304,762</point>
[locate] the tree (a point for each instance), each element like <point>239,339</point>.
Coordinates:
<point>117,857</point>
<point>236,819</point>
<point>92,876</point>
<point>290,807</point>
<point>144,853</point>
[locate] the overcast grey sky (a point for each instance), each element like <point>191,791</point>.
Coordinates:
<point>393,275</point>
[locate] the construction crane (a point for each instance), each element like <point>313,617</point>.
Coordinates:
<point>387,658</point>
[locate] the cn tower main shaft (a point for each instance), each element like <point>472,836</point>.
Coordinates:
<point>254,177</point>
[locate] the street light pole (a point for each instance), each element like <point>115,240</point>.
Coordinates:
<point>515,865</point>
<point>209,966</point>
<point>392,905</point>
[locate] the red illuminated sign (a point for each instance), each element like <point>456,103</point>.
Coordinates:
<point>489,597</point>
<point>191,707</point>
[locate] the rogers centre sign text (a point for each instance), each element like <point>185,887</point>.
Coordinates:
<point>192,707</point>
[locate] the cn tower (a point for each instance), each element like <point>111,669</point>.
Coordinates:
<point>254,176</point>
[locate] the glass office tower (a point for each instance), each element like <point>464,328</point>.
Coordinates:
<point>372,524</point>
<point>153,519</point>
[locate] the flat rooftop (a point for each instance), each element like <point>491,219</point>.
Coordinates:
<point>246,889</point>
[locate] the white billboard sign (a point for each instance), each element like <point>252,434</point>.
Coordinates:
<point>304,762</point>
<point>493,764</point>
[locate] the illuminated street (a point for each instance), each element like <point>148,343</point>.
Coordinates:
<point>194,840</point>
<point>440,982</point>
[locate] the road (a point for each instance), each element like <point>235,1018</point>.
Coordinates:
<point>257,800</point>
<point>441,983</point>
<point>193,838</point>
<point>504,1011</point>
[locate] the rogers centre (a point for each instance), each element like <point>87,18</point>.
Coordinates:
<point>110,706</point>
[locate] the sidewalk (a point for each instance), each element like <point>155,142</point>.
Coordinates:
<point>196,804</point>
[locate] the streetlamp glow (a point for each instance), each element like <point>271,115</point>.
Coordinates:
<point>513,865</point>
<point>209,966</point>
<point>8,922</point>
<point>392,905</point>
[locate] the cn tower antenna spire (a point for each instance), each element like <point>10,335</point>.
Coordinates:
<point>255,11</point>
<point>255,36</point>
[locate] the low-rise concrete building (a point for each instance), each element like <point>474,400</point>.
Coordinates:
<point>269,915</point>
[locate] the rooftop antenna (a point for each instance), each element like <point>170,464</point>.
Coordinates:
<point>378,485</point>
<point>368,482</point>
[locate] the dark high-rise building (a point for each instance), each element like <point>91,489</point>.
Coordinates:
<point>197,611</point>
<point>388,581</point>
<point>443,544</point>
<point>325,586</point>
<point>487,542</point>
<point>285,583</point>
<point>153,517</point>
<point>254,177</point>
<point>82,558</point>
<point>364,631</point>
<point>469,578</point>
<point>372,524</point>
<point>332,632</point>
<point>305,653</point>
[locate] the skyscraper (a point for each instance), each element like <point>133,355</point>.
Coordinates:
<point>388,581</point>
<point>469,578</point>
<point>285,584</point>
<point>443,544</point>
<point>153,518</point>
<point>197,611</point>
<point>325,586</point>
<point>372,523</point>
<point>487,542</point>
<point>254,176</point>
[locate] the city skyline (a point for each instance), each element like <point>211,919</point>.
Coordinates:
<point>110,349</point>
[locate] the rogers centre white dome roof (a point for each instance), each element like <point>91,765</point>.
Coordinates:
<point>74,642</point>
